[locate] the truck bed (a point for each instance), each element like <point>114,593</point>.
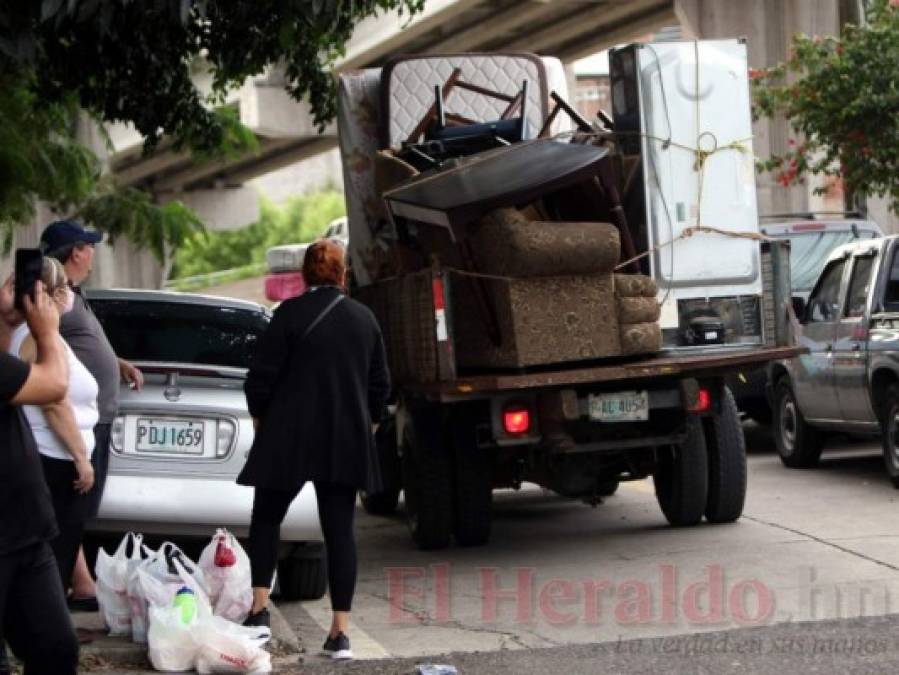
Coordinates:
<point>698,364</point>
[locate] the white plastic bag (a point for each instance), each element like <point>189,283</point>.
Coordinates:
<point>226,569</point>
<point>156,567</point>
<point>112,571</point>
<point>137,599</point>
<point>161,565</point>
<point>171,643</point>
<point>225,647</point>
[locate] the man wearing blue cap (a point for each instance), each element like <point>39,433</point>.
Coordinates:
<point>73,246</point>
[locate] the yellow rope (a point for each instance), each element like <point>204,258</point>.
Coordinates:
<point>702,157</point>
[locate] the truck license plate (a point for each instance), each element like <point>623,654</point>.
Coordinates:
<point>175,436</point>
<point>622,406</point>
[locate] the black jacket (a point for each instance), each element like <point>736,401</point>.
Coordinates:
<point>316,397</point>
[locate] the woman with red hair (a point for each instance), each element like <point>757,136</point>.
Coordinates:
<point>316,389</point>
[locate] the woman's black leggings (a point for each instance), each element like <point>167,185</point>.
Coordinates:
<point>71,509</point>
<point>336,505</point>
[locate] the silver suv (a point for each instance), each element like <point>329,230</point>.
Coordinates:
<point>178,445</point>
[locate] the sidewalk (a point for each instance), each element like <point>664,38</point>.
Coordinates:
<point>109,655</point>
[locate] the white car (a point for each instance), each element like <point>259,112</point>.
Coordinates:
<point>178,445</point>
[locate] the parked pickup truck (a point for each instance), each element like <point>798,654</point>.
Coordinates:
<point>849,379</point>
<point>812,238</point>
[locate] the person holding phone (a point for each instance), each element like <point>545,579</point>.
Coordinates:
<point>63,430</point>
<point>33,615</point>
<point>72,245</point>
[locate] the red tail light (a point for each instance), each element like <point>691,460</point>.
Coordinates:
<point>703,402</point>
<point>517,420</point>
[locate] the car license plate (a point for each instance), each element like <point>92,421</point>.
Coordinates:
<point>623,406</point>
<point>175,436</point>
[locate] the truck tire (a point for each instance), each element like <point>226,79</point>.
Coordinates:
<point>472,471</point>
<point>304,574</point>
<point>681,477</point>
<point>890,436</point>
<point>384,503</point>
<point>427,480</point>
<point>726,448</point>
<point>798,444</point>
<point>607,488</point>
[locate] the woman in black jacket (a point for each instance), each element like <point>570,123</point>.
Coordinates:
<point>316,389</point>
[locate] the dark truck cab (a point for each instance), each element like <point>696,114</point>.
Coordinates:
<point>849,378</point>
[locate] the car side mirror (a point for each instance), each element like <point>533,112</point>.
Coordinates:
<point>799,308</point>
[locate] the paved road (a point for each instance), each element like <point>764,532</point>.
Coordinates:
<point>812,545</point>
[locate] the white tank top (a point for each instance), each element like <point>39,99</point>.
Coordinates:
<point>82,395</point>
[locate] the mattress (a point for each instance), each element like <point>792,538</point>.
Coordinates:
<point>407,89</point>
<point>360,122</point>
<point>286,258</point>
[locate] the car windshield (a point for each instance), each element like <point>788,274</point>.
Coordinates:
<point>809,251</point>
<point>181,333</point>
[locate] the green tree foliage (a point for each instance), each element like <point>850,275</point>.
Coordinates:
<point>129,212</point>
<point>39,157</point>
<point>841,98</point>
<point>131,60</point>
<point>300,220</point>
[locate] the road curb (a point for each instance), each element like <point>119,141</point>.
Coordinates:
<point>283,636</point>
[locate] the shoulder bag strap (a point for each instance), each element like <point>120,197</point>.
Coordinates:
<point>321,316</point>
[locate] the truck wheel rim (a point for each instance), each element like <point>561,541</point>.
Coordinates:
<point>788,424</point>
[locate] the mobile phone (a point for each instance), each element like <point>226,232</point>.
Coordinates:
<point>29,265</point>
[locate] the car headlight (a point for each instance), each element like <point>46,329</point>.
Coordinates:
<point>224,437</point>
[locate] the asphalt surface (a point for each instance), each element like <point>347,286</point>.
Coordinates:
<point>806,581</point>
<point>869,645</point>
<point>813,547</point>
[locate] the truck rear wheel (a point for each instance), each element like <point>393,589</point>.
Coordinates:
<point>798,444</point>
<point>607,488</point>
<point>890,425</point>
<point>427,480</point>
<point>681,477</point>
<point>472,470</point>
<point>726,448</point>
<point>384,502</point>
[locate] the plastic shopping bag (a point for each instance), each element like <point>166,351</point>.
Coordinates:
<point>165,564</point>
<point>226,647</point>
<point>137,598</point>
<point>171,644</point>
<point>226,569</point>
<point>112,571</point>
